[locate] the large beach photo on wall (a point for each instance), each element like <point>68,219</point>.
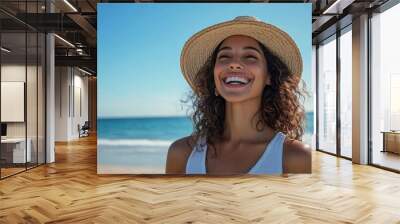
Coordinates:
<point>204,89</point>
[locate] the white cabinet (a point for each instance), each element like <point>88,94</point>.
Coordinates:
<point>18,145</point>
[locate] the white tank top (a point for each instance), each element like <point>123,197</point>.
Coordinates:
<point>270,161</point>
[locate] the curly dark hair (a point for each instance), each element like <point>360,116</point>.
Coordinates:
<point>280,108</point>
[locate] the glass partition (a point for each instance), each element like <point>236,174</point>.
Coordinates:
<point>385,89</point>
<point>41,91</point>
<point>327,95</point>
<point>31,100</point>
<point>14,153</point>
<point>346,92</point>
<point>22,88</point>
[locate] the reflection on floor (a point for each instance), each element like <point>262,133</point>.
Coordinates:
<point>387,159</point>
<point>10,169</point>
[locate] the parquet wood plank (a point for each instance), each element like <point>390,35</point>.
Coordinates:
<point>70,191</point>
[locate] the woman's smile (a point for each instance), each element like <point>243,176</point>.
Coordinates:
<point>236,80</point>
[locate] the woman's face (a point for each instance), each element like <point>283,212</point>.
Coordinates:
<point>240,71</point>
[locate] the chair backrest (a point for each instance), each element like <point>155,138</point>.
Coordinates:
<point>86,125</point>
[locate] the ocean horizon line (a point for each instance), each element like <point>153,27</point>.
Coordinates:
<point>143,117</point>
<point>153,116</point>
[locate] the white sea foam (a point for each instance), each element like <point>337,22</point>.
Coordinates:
<point>134,142</point>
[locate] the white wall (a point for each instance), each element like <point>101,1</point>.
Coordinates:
<point>61,103</point>
<point>70,84</point>
<point>12,101</point>
<point>33,126</point>
<point>16,72</point>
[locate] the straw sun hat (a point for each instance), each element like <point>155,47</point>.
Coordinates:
<point>201,45</point>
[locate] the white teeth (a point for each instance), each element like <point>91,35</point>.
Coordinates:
<point>236,79</point>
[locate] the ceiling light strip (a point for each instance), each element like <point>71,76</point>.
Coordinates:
<point>5,49</point>
<point>84,71</point>
<point>64,40</point>
<point>328,10</point>
<point>70,5</point>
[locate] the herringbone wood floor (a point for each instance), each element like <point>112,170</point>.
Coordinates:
<point>70,191</point>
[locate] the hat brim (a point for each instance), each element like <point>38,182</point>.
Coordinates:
<point>201,45</point>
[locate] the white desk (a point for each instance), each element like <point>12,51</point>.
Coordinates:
<point>19,149</point>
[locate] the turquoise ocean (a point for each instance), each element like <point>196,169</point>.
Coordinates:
<point>140,145</point>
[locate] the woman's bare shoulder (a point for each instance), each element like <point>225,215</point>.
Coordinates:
<point>178,154</point>
<point>297,157</point>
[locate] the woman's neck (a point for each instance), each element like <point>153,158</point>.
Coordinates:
<point>241,122</point>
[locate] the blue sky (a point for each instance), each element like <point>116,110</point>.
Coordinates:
<point>139,48</point>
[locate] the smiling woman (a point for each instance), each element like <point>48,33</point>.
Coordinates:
<point>240,70</point>
<point>245,78</point>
